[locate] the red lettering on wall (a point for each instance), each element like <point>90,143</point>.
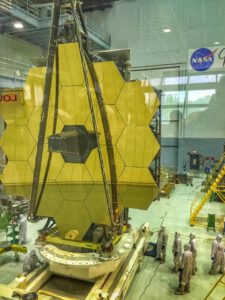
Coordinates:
<point>14,97</point>
<point>8,98</point>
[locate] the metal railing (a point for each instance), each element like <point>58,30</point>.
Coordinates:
<point>95,28</point>
<point>13,68</point>
<point>92,26</point>
<point>200,199</point>
<point>5,5</point>
<point>27,7</point>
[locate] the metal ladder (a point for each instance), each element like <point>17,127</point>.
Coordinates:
<point>211,185</point>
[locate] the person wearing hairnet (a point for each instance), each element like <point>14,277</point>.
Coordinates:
<point>31,261</point>
<point>193,245</point>
<point>177,251</point>
<point>22,223</point>
<point>185,271</point>
<point>161,244</point>
<point>217,256</point>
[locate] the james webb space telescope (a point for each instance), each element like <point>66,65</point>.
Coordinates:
<point>87,164</point>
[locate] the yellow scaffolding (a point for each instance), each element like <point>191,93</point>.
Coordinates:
<point>212,185</point>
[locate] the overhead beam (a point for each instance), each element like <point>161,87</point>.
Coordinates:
<point>31,20</point>
<point>19,13</point>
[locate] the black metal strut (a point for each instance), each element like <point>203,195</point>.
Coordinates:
<point>45,107</point>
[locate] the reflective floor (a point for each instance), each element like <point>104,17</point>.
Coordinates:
<point>155,281</point>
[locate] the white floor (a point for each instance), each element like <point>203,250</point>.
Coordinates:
<point>155,281</point>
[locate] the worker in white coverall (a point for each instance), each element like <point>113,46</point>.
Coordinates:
<point>31,261</point>
<point>161,244</point>
<point>177,252</point>
<point>185,271</point>
<point>193,245</point>
<point>217,256</point>
<point>22,223</point>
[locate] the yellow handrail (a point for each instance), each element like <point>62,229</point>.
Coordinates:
<point>221,196</point>
<point>211,175</point>
<point>199,201</point>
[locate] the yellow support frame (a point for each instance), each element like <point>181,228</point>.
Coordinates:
<point>92,246</point>
<point>15,248</point>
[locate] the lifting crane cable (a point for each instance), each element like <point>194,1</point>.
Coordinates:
<point>45,106</point>
<point>53,128</point>
<point>112,166</point>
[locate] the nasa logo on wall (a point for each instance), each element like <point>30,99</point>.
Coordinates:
<point>202,59</point>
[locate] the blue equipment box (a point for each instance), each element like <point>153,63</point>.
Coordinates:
<point>151,250</point>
